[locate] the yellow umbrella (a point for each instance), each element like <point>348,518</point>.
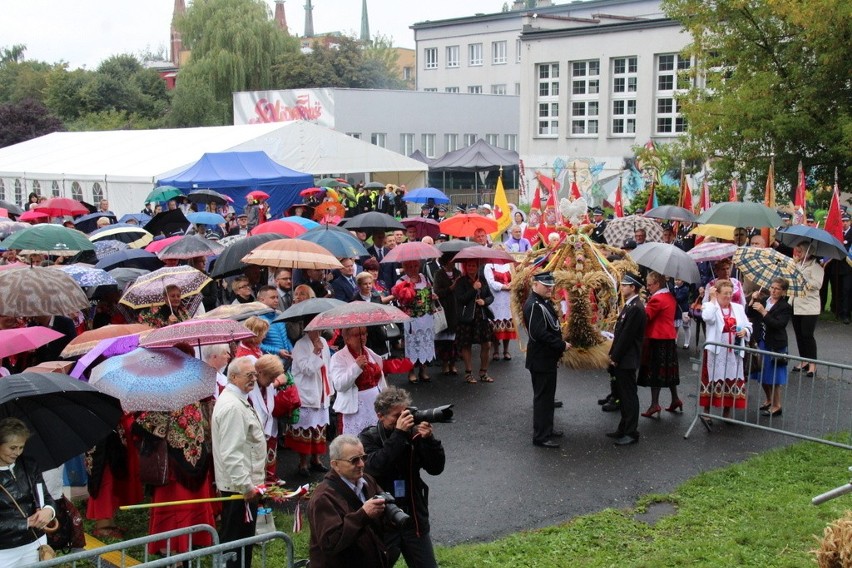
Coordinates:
<point>718,231</point>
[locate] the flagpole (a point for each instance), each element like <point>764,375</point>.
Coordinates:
<point>183,502</point>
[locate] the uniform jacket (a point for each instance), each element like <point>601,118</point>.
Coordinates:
<point>546,344</point>
<point>239,444</point>
<point>629,331</point>
<point>598,233</point>
<point>21,485</point>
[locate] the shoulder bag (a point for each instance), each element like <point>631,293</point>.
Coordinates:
<point>440,318</point>
<point>45,551</point>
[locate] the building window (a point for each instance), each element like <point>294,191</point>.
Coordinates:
<point>451,89</point>
<point>474,89</point>
<point>510,141</point>
<point>585,77</point>
<point>548,99</point>
<point>355,135</point>
<point>407,73</point>
<point>624,116</point>
<point>19,193</point>
<point>76,191</point>
<point>624,77</point>
<point>379,139</point>
<point>498,89</point>
<point>474,54</point>
<point>97,192</point>
<point>406,144</point>
<point>624,85</point>
<point>452,56</point>
<point>54,189</point>
<point>517,88</point>
<point>517,51</point>
<point>428,143</point>
<point>451,142</point>
<point>498,52</point>
<point>492,139</point>
<point>36,187</point>
<point>672,80</point>
<point>430,90</point>
<point>2,190</point>
<point>585,93</point>
<point>469,139</point>
<point>430,57</point>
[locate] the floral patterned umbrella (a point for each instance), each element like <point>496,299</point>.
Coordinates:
<point>357,314</point>
<point>149,290</point>
<point>197,332</point>
<point>86,276</point>
<point>712,251</point>
<point>88,340</point>
<point>106,248</point>
<point>236,312</point>
<point>37,291</point>
<point>154,379</point>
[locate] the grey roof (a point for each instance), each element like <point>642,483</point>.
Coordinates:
<point>479,156</point>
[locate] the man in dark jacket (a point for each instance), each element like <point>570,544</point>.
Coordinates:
<point>397,449</point>
<point>544,350</point>
<point>624,357</point>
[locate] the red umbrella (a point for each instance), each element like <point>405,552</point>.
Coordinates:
<point>33,215</point>
<point>485,254</point>
<point>279,226</point>
<point>311,191</point>
<point>465,225</point>
<point>59,206</point>
<point>257,194</point>
<point>21,339</point>
<point>411,251</point>
<point>425,226</point>
<point>157,246</point>
<point>357,314</point>
<point>197,332</point>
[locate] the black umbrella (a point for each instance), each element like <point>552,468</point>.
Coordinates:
<point>89,223</point>
<point>190,246</point>
<point>130,258</point>
<point>373,221</point>
<point>229,262</point>
<point>455,245</point>
<point>207,196</point>
<point>125,276</point>
<point>65,416</point>
<point>167,223</point>
<point>374,185</point>
<point>11,208</point>
<point>307,308</point>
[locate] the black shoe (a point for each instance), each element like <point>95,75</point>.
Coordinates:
<point>768,412</point>
<point>319,467</point>
<point>626,441</point>
<point>550,444</point>
<point>604,400</point>
<point>611,406</point>
<point>557,434</point>
<point>847,321</point>
<point>558,404</point>
<point>614,435</point>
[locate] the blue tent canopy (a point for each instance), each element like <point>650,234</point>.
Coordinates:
<point>237,173</point>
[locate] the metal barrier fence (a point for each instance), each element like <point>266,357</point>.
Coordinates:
<point>220,553</point>
<point>811,407</point>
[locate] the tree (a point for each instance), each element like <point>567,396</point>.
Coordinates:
<point>776,76</point>
<point>25,120</point>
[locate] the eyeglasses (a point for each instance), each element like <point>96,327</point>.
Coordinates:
<point>251,374</point>
<point>355,459</point>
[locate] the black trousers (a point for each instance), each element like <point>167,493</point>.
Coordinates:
<point>803,328</point>
<point>544,391</point>
<point>235,527</point>
<point>417,550</point>
<point>625,385</point>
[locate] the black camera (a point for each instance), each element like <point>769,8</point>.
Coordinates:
<point>393,514</point>
<point>439,414</point>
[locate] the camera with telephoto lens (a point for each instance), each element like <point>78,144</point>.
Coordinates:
<point>393,514</point>
<point>438,414</point>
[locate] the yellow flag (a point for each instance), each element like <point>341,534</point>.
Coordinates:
<point>502,213</point>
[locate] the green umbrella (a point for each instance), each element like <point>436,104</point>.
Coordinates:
<point>54,240</point>
<point>331,182</point>
<point>735,214</point>
<point>164,193</point>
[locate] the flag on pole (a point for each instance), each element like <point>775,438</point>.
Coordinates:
<point>833,224</point>
<point>652,198</point>
<point>534,219</point>
<point>769,200</point>
<point>501,209</point>
<point>552,217</point>
<point>575,190</point>
<point>619,199</point>
<point>685,193</point>
<point>732,193</point>
<point>799,198</point>
<point>705,196</point>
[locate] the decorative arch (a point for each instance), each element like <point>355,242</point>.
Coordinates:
<point>76,191</point>
<point>19,193</point>
<point>97,192</point>
<point>54,189</point>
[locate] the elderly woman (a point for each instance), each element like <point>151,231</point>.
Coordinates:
<point>658,368</point>
<point>722,271</point>
<point>806,309</point>
<point>272,397</point>
<point>414,295</point>
<point>770,317</point>
<point>307,437</point>
<point>251,345</point>
<point>356,374</point>
<point>26,506</point>
<point>722,380</point>
<point>499,278</point>
<point>295,329</point>
<point>172,311</point>
<point>473,296</point>
<point>366,292</point>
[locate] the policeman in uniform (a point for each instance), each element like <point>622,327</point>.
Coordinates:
<point>598,232</point>
<point>544,350</point>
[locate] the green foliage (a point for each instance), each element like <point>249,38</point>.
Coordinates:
<point>111,120</point>
<point>24,121</point>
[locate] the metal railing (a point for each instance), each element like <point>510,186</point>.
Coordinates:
<point>220,554</point>
<point>811,407</point>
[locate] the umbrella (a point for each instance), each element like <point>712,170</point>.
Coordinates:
<point>229,261</point>
<point>205,218</point>
<point>106,248</point>
<point>414,250</point>
<point>13,266</point>
<point>65,416</point>
<point>424,194</point>
<point>762,265</point>
<point>149,290</point>
<point>307,213</point>
<point>159,244</point>
<point>154,379</point>
<point>38,291</point>
<point>712,251</point>
<point>88,223</point>
<point>140,218</point>
<point>311,191</point>
<point>284,227</point>
<point>425,226</point>
<point>130,258</point>
<point>86,276</point>
<point>8,227</point>
<point>454,246</point>
<point>33,215</point>
<point>718,231</point>
<point>308,308</point>
<point>11,208</point>
<point>303,221</point>
<point>465,225</point>
<point>190,246</point>
<point>167,223</point>
<point>292,253</point>
<point>374,221</point>
<point>485,254</point>
<point>133,236</point>
<point>621,228</point>
<point>236,312</point>
<point>124,276</point>
<point>332,182</point>
<point>21,339</point>
<point>60,206</point>
<point>668,260</point>
<point>339,243</point>
<point>375,185</point>
<point>357,314</point>
<point>109,347</point>
<point>208,196</point>
<point>48,239</point>
<point>88,340</point>
<point>197,332</point>
<point>329,211</point>
<point>820,242</point>
<point>257,194</point>
<point>736,214</point>
<point>164,193</point>
<point>671,213</point>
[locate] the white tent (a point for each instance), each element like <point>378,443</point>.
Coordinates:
<point>124,165</point>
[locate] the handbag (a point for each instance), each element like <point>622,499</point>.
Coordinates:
<point>391,331</point>
<point>440,318</point>
<point>154,461</point>
<point>45,551</point>
<point>754,361</point>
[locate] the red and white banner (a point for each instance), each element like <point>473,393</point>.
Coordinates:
<point>311,105</point>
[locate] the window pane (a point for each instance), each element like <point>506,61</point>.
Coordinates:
<point>594,86</point>
<point>618,85</point>
<point>617,107</point>
<point>619,65</point>
<point>665,83</point>
<point>593,127</point>
<point>578,109</point>
<point>593,108</point>
<point>579,68</point>
<point>632,65</point>
<point>594,67</point>
<point>666,63</point>
<point>578,87</point>
<point>631,84</point>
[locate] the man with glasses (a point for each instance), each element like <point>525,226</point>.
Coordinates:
<point>239,455</point>
<point>284,287</point>
<point>345,519</point>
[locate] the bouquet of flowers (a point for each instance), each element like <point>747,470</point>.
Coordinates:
<point>404,292</point>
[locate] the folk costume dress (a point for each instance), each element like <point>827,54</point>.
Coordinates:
<point>420,331</point>
<point>497,276</point>
<point>310,374</point>
<point>356,388</point>
<point>722,380</point>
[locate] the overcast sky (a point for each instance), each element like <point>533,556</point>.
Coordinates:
<point>85,32</point>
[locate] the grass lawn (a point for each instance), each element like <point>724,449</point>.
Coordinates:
<point>756,513</point>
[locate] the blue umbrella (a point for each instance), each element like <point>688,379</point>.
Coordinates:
<point>106,248</point>
<point>820,242</point>
<point>86,276</point>
<point>424,194</point>
<point>205,218</point>
<point>140,218</point>
<point>303,221</point>
<point>338,242</point>
<point>130,258</point>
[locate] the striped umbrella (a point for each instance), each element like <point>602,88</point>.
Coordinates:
<point>712,251</point>
<point>133,236</point>
<point>292,253</point>
<point>762,265</point>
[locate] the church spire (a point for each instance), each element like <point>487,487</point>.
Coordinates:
<point>280,17</point>
<point>309,19</point>
<point>176,41</point>
<point>365,22</point>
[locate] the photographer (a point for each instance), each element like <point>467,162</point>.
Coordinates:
<point>397,449</point>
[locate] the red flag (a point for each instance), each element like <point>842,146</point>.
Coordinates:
<point>575,191</point>
<point>799,199</point>
<point>652,199</point>
<point>705,196</point>
<point>552,217</point>
<point>686,195</point>
<point>833,224</point>
<point>769,201</point>
<point>534,219</point>
<point>732,194</point>
<point>619,200</point>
